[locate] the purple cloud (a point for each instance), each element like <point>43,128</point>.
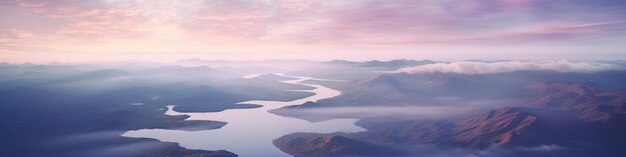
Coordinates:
<point>407,21</point>
<point>392,24</point>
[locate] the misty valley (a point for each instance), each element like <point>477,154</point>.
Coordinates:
<point>312,78</point>
<point>305,108</point>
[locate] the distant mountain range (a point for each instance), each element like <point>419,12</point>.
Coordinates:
<point>397,63</point>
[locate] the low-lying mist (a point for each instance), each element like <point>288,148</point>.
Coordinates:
<point>428,108</point>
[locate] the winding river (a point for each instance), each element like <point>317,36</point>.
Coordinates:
<point>250,132</point>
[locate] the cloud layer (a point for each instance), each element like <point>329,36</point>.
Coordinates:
<point>105,26</point>
<point>510,66</point>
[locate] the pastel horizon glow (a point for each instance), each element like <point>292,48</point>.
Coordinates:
<point>41,31</point>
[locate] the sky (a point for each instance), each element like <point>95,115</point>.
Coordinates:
<point>40,31</point>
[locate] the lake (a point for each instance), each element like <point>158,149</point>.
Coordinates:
<point>250,132</point>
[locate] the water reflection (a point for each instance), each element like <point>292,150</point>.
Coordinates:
<point>250,132</point>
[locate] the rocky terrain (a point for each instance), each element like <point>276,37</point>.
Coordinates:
<point>545,110</point>
<point>310,145</point>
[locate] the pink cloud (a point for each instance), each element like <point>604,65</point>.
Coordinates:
<point>86,21</point>
<point>217,25</point>
<point>226,19</point>
<point>368,22</point>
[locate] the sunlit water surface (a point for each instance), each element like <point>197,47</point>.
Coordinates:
<point>249,132</point>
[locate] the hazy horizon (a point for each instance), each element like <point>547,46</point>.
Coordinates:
<point>308,60</point>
